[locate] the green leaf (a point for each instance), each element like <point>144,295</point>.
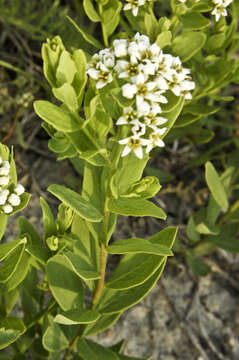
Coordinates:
<point>111,15</point>
<point>192,233</point>
<point>11,299</point>
<point>104,322</point>
<point>60,119</point>
<point>67,95</point>
<point>132,207</point>
<point>74,317</point>
<point>94,190</point>
<point>18,275</point>
<point>88,349</point>
<point>81,267</point>
<point>90,11</point>
<point>54,338</point>
<point>86,36</point>
<point>186,119</point>
<point>65,285</point>
<point>227,239</point>
<point>215,185</point>
<point>204,229</point>
<point>66,69</point>
<point>70,198</point>
<point>99,121</point>
<point>200,109</point>
<point>164,39</point>
<point>133,270</point>
<point>3,222</point>
<point>34,245</point>
<point>129,171</point>
<point>173,114</point>
<point>7,248</point>
<point>194,21</point>
<point>80,78</point>
<point>187,44</point>
<point>48,220</point>
<point>146,188</point>
<point>215,43</point>
<point>138,246</point>
<point>151,26</point>
<point>11,263</point>
<point>11,329</point>
<point>197,266</point>
<point>114,301</point>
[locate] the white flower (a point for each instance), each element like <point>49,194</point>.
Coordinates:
<point>102,75</point>
<point>107,58</point>
<point>129,90</point>
<point>186,86</point>
<point>129,114</point>
<point>133,143</point>
<point>153,121</point>
<point>155,139</point>
<point>7,209</point>
<point>138,129</point>
<point>219,11</point>
<point>19,189</point>
<point>133,5</point>
<point>120,47</point>
<point>14,200</point>
<point>126,69</point>
<point>1,160</point>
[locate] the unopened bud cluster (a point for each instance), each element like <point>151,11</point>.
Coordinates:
<point>9,196</point>
<point>148,77</point>
<point>219,8</point>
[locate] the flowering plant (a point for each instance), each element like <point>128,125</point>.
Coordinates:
<point>115,103</point>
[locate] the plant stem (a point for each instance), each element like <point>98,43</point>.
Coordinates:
<point>100,285</point>
<point>73,345</point>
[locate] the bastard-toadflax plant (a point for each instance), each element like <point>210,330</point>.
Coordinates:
<point>144,82</point>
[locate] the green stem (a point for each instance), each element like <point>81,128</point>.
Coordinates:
<point>116,151</point>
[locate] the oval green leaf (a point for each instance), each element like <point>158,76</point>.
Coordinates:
<point>70,198</point>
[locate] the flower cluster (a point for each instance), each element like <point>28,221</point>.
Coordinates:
<point>148,76</point>
<point>134,5</point>
<point>219,9</point>
<point>9,196</point>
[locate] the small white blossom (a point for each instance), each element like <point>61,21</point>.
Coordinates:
<point>129,90</point>
<point>102,75</point>
<point>155,139</point>
<point>133,143</point>
<point>133,5</point>
<point>129,114</point>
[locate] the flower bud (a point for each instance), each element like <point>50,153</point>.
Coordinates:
<point>19,189</point>
<point>3,196</point>
<point>14,200</point>
<point>4,180</point>
<point>7,209</point>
